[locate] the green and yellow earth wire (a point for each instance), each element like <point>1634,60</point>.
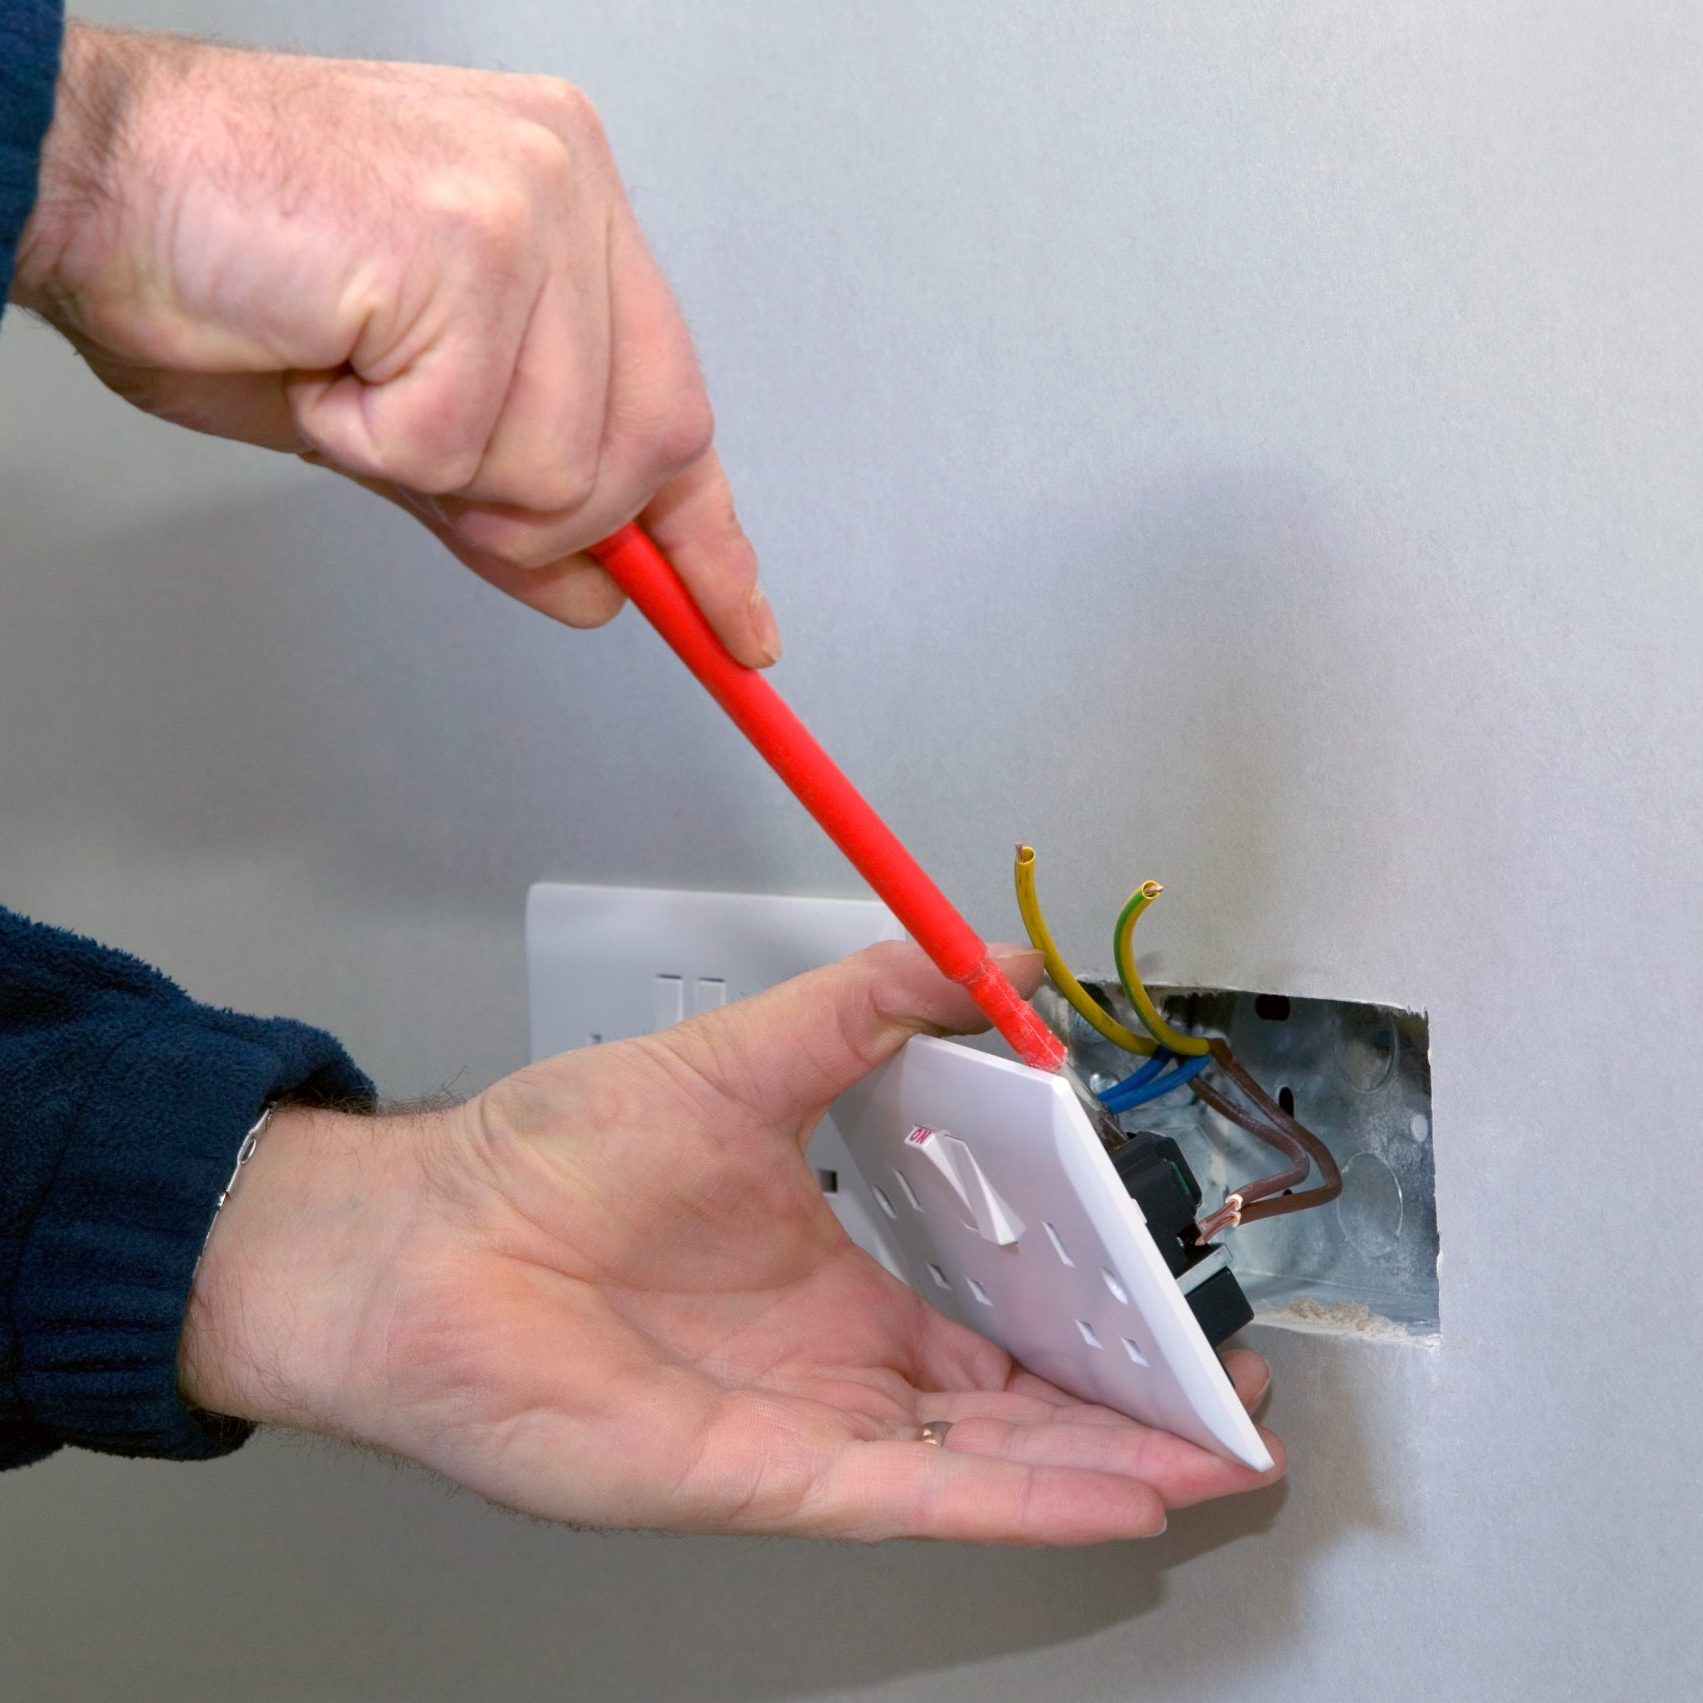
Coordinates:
<point>1080,999</point>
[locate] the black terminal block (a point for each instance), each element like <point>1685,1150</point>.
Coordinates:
<point>1160,1182</point>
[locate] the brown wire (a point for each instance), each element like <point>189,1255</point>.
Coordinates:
<point>1269,1196</point>
<point>1261,1128</point>
<point>1321,1155</point>
<point>1270,1123</point>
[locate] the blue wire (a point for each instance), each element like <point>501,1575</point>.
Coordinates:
<point>1161,1057</point>
<point>1155,1087</point>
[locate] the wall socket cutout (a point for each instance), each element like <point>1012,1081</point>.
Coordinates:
<point>1359,1076</point>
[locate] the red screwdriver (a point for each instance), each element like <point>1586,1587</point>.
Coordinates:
<point>816,781</point>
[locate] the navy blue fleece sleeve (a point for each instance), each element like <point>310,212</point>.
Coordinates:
<point>29,62</point>
<point>122,1105</point>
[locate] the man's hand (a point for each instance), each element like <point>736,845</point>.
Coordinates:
<point>427,279</point>
<point>608,1291</point>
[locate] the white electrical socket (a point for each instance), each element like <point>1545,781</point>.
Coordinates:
<point>608,963</point>
<point>1009,1216</point>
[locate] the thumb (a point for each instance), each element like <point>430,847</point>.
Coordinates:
<point>786,1053</point>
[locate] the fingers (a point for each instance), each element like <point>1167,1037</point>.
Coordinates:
<point>425,382</point>
<point>640,426</point>
<point>546,446</point>
<point>574,591</point>
<point>788,1052</point>
<point>523,367</point>
<point>573,457</point>
<point>693,523</point>
<point>1181,1472</point>
<point>692,520</point>
<point>1012,1414</point>
<point>904,1489</point>
<point>1015,1408</point>
<point>1250,1375</point>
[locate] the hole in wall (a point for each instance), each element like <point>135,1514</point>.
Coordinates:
<point>828,1181</point>
<point>905,1188</point>
<point>941,1280</point>
<point>979,1292</point>
<point>1118,1292</point>
<point>1358,1075</point>
<point>1058,1245</point>
<point>1089,1334</point>
<point>884,1203</point>
<point>1132,1351</point>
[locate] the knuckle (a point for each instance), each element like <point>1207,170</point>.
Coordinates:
<point>563,486</point>
<point>482,211</point>
<point>434,470</point>
<point>685,435</point>
<point>565,107</point>
<point>510,538</point>
<point>887,955</point>
<point>541,158</point>
<point>501,218</point>
<point>578,113</point>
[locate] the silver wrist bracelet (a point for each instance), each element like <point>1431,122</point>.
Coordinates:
<point>244,1154</point>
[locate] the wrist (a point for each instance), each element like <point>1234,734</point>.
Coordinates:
<point>100,73</point>
<point>290,1309</point>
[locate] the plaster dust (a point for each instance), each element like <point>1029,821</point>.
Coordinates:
<point>1344,1318</point>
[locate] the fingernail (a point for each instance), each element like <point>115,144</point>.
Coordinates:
<point>763,623</point>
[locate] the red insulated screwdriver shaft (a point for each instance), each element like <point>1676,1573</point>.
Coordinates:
<point>762,715</point>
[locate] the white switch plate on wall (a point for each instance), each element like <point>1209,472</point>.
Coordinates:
<point>607,963</point>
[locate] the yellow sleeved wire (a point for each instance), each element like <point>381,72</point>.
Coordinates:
<point>1189,1046</point>
<point>1040,937</point>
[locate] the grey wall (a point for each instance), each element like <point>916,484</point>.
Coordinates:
<point>1254,445</point>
